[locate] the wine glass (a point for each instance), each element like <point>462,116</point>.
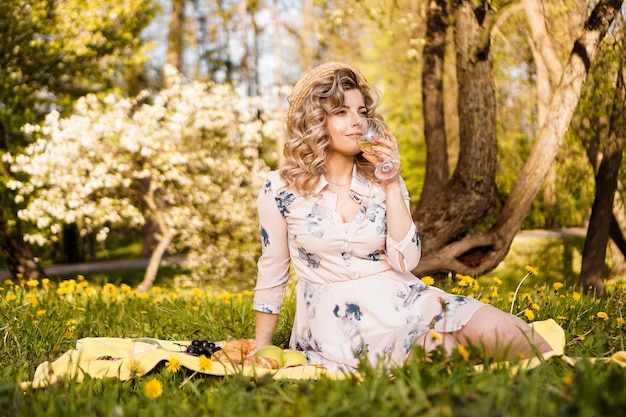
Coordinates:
<point>367,130</point>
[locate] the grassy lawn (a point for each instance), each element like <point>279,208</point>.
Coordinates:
<point>42,322</point>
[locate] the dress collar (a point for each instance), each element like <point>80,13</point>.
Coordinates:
<point>359,184</point>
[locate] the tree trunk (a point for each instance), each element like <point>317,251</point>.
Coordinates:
<point>444,248</point>
<point>166,237</point>
<point>18,255</point>
<point>173,56</point>
<point>470,193</point>
<point>155,261</point>
<point>594,250</point>
<point>437,171</point>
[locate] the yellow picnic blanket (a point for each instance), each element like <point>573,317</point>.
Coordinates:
<point>125,358</point>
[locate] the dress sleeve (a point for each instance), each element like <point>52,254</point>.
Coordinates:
<point>273,265</point>
<point>404,255</point>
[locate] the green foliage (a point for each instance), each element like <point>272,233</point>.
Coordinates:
<point>55,51</point>
<point>41,323</point>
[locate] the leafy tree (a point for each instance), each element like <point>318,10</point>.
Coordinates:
<point>52,52</point>
<point>186,157</point>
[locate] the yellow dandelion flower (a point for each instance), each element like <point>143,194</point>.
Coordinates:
<point>32,298</point>
<point>11,297</point>
<point>561,318</point>
<point>485,300</point>
<point>205,363</point>
<point>126,288</point>
<point>8,283</point>
<point>197,292</point>
<point>81,309</point>
<point>494,292</point>
<point>576,296</point>
<point>109,289</point>
<point>529,314</point>
<point>557,286</point>
<point>143,312</point>
<point>521,356</point>
<point>173,364</point>
<point>153,388</point>
<point>63,291</point>
<point>80,277</point>
<point>619,322</point>
<point>45,282</point>
<point>41,313</point>
<point>32,283</point>
<point>531,270</point>
<point>567,380</point>
<point>435,335</point>
<point>603,316</point>
<point>535,306</point>
<point>68,335</point>
<point>497,281</point>
<point>428,280</point>
<point>90,291</point>
<point>135,367</point>
<point>464,352</point>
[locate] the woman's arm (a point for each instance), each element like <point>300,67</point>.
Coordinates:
<point>265,328</point>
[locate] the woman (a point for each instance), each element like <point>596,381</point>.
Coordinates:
<point>352,243</point>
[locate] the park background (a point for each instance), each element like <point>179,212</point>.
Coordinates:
<point>138,129</point>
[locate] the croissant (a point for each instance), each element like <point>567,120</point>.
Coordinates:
<point>235,350</point>
<point>261,362</point>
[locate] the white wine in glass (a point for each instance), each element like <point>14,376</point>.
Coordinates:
<point>367,130</point>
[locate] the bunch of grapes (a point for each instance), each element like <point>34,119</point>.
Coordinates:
<point>202,347</point>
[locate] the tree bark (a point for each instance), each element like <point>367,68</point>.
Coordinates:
<point>445,249</point>
<point>166,236</point>
<point>173,56</point>
<point>18,255</point>
<point>437,171</point>
<point>594,250</point>
<point>470,192</point>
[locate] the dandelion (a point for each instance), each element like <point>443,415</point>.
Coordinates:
<point>32,298</point>
<point>576,296</point>
<point>463,352</point>
<point>529,315</point>
<point>497,281</point>
<point>205,363</point>
<point>603,316</point>
<point>535,306</point>
<point>32,283</point>
<point>619,322</point>
<point>8,283</point>
<point>173,364</point>
<point>81,309</point>
<point>557,286</point>
<point>41,313</point>
<point>11,297</point>
<point>153,388</point>
<point>567,380</point>
<point>428,280</point>
<point>531,270</point>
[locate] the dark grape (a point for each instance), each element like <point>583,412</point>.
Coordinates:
<point>200,347</point>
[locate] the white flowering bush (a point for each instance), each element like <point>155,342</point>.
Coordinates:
<point>187,158</point>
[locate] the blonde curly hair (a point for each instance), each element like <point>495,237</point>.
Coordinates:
<point>315,96</point>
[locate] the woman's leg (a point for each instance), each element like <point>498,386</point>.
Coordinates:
<point>502,335</point>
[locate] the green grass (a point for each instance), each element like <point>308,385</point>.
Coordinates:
<point>42,323</point>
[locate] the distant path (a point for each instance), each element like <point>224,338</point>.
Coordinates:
<point>96,266</point>
<point>142,263</point>
<point>553,233</point>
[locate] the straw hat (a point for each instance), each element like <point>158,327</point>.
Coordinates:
<point>303,87</point>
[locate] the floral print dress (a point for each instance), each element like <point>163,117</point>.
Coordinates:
<point>356,296</point>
